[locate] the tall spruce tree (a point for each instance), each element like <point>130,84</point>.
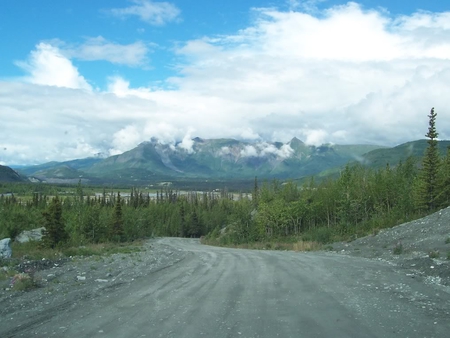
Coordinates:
<point>55,232</point>
<point>428,187</point>
<point>117,231</point>
<point>443,197</point>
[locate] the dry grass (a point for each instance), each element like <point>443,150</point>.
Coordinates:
<point>34,251</point>
<point>282,246</point>
<point>307,246</point>
<point>23,282</point>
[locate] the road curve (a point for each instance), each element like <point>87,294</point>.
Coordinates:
<point>219,292</point>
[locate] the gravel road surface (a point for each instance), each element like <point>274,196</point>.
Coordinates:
<point>204,291</point>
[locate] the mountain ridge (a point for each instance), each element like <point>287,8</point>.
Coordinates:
<point>206,159</point>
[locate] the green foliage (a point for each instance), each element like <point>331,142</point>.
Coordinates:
<point>428,179</point>
<point>443,196</point>
<point>55,232</point>
<point>434,254</point>
<point>117,230</point>
<point>398,249</point>
<point>447,240</point>
<point>23,282</point>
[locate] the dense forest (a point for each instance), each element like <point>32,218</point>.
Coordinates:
<point>360,201</point>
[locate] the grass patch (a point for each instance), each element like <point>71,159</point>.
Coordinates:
<point>103,249</point>
<point>34,251</point>
<point>286,245</point>
<point>398,249</point>
<point>23,282</point>
<point>307,246</point>
<point>7,274</point>
<point>434,254</point>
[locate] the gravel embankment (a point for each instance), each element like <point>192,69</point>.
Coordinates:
<point>422,246</point>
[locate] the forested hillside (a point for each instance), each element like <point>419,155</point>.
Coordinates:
<point>9,175</point>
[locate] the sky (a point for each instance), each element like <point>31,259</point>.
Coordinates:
<point>80,78</point>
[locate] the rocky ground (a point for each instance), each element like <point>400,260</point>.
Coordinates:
<point>420,248</point>
<point>64,283</point>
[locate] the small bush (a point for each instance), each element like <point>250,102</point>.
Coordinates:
<point>434,254</point>
<point>22,282</point>
<point>398,249</point>
<point>307,246</point>
<point>448,255</point>
<point>7,273</point>
<point>447,241</point>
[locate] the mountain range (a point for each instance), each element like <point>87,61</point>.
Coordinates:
<point>221,159</point>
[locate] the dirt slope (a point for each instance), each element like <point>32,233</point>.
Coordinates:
<point>422,245</point>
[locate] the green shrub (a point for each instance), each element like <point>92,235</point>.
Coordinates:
<point>398,249</point>
<point>434,254</point>
<point>23,282</point>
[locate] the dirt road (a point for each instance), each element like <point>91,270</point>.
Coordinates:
<point>219,292</point>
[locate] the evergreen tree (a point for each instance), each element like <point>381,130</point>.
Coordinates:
<point>255,195</point>
<point>428,187</point>
<point>444,182</point>
<point>55,232</point>
<point>117,232</point>
<point>183,219</point>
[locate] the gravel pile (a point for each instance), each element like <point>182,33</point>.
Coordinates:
<point>422,246</point>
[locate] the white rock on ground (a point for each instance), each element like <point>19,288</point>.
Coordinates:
<point>30,235</point>
<point>5,248</point>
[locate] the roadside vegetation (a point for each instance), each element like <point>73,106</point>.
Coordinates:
<point>274,215</point>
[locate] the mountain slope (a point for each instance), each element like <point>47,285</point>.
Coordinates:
<point>205,159</point>
<point>378,158</point>
<point>9,175</point>
<point>229,158</point>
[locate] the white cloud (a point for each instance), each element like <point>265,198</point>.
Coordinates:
<point>151,12</point>
<point>99,48</point>
<point>125,139</point>
<point>47,66</point>
<point>285,151</point>
<point>344,75</point>
<point>249,151</point>
<point>308,6</point>
<point>187,142</point>
<point>315,137</point>
<point>249,134</point>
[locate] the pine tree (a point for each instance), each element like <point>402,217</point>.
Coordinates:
<point>443,197</point>
<point>55,232</point>
<point>255,195</point>
<point>117,232</point>
<point>183,219</point>
<point>428,185</point>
